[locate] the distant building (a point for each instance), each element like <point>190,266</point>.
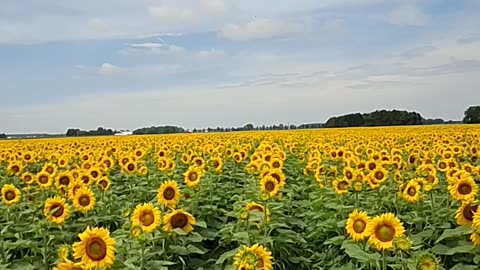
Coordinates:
<point>124,133</point>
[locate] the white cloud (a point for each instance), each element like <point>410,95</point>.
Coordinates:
<point>98,25</point>
<point>218,7</point>
<point>407,15</point>
<point>107,69</point>
<point>210,54</point>
<point>152,48</point>
<point>261,28</point>
<point>168,14</point>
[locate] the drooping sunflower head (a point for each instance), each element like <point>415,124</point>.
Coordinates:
<point>383,231</point>
<point>357,225</point>
<point>104,183</point>
<point>357,185</point>
<point>84,200</point>
<point>253,206</point>
<point>464,214</point>
<point>10,195</point>
<point>254,257</point>
<point>146,216</point>
<point>403,243</point>
<point>96,249</point>
<point>168,194</point>
<point>475,238</point>
<point>56,210</point>
<point>427,262</point>
<point>64,253</point>
<point>178,219</point>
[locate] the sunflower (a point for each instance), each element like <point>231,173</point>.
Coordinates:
<point>403,243</point>
<point>85,178</point>
<point>383,230</point>
<point>357,185</point>
<point>269,185</point>
<point>464,214</point>
<point>96,248</point>
<point>44,179</point>
<point>143,171</point>
<point>358,225</point>
<point>279,176</point>
<point>95,173</point>
<point>377,177</point>
<point>63,180</point>
<point>216,164</point>
<point>68,265</point>
<point>253,206</point>
<point>464,189</point>
<point>84,200</point>
<point>371,165</point>
<point>15,168</point>
<point>130,168</point>
<point>104,183</point>
<point>56,210</point>
<point>10,195</point>
<point>168,194</point>
<point>146,216</point>
<point>426,262</point>
<point>341,186</point>
<point>442,165</point>
<point>254,257</point>
<point>50,168</point>
<point>64,252</point>
<point>199,163</point>
<point>178,219</point>
<point>411,192</point>
<point>276,163</point>
<point>28,178</point>
<point>192,176</point>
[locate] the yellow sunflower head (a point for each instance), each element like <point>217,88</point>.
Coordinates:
<point>253,206</point>
<point>44,179</point>
<point>178,219</point>
<point>168,194</point>
<point>427,262</point>
<point>464,189</point>
<point>10,195</point>
<point>341,186</point>
<point>251,258</point>
<point>358,225</point>
<point>28,178</point>
<point>68,265</point>
<point>193,176</point>
<point>146,216</point>
<point>96,249</point>
<point>403,243</point>
<point>269,185</point>
<point>383,231</point>
<point>84,200</point>
<point>464,214</point>
<point>475,238</point>
<point>411,192</point>
<point>104,183</point>
<point>56,210</point>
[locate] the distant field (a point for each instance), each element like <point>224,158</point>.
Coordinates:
<point>360,198</point>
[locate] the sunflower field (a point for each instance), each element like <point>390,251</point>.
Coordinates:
<point>364,198</point>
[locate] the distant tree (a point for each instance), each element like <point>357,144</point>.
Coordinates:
<point>3,136</point>
<point>472,115</point>
<point>248,127</point>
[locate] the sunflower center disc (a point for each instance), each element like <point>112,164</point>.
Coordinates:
<point>379,175</point>
<point>64,181</point>
<point>84,201</point>
<point>103,183</point>
<point>58,210</point>
<point>464,189</point>
<point>385,233</point>
<point>96,249</point>
<point>179,220</point>
<point>359,226</point>
<point>94,174</point>
<point>28,178</point>
<point>269,186</point>
<point>469,211</point>
<point>10,195</point>
<point>43,179</point>
<point>131,167</point>
<point>193,176</point>
<point>147,218</point>
<point>169,193</point>
<point>411,191</point>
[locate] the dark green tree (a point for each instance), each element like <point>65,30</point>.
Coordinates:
<point>472,115</point>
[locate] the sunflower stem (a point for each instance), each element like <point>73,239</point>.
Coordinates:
<point>2,248</point>
<point>45,261</point>
<point>142,263</point>
<point>432,200</point>
<point>265,219</point>
<point>384,260</point>
<point>356,200</point>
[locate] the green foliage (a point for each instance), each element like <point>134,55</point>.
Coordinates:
<point>159,130</point>
<point>472,115</point>
<point>377,118</point>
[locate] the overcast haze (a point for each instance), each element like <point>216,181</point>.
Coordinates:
<point>127,64</point>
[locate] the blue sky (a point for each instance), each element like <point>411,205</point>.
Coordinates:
<point>126,64</point>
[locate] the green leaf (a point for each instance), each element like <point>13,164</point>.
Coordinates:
<point>201,224</point>
<point>195,250</point>
<point>354,251</point>
<point>226,255</point>
<point>22,266</point>
<point>440,249</point>
<point>179,231</point>
<point>180,250</point>
<point>462,266</point>
<point>337,240</point>
<point>459,231</point>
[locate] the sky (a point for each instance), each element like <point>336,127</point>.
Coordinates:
<point>125,64</point>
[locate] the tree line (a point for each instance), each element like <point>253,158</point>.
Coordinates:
<point>376,118</point>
